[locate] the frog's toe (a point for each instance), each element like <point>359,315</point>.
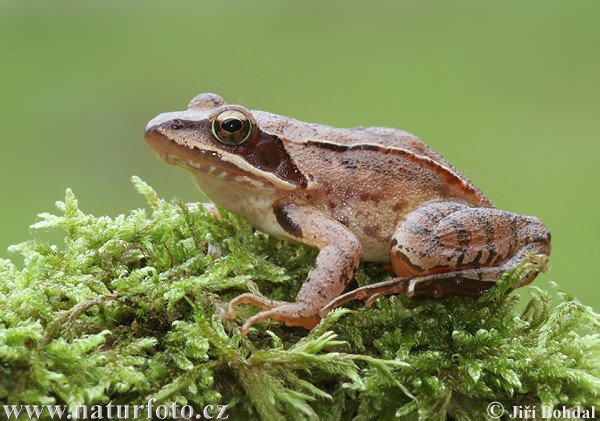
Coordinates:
<point>279,314</point>
<point>248,298</point>
<point>292,314</point>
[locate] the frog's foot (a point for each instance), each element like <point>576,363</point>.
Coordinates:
<point>465,282</point>
<point>455,283</point>
<point>292,314</point>
<point>370,292</point>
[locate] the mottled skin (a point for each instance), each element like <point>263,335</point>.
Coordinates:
<point>371,194</point>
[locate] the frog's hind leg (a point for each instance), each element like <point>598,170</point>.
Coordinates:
<point>449,247</point>
<point>465,282</point>
<point>449,236</point>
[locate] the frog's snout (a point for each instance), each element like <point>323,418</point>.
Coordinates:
<point>161,120</point>
<point>164,125</point>
<point>160,131</point>
<point>153,134</point>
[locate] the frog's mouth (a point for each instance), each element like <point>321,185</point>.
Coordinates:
<point>201,159</point>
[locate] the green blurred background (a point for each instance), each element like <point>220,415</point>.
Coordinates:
<point>509,91</point>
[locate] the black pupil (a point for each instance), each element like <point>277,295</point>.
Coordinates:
<point>232,124</point>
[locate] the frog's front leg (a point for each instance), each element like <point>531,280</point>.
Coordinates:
<point>339,255</point>
<point>449,247</point>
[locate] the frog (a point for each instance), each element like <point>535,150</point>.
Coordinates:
<point>362,194</point>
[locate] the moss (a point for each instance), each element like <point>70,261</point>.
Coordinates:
<point>133,308</point>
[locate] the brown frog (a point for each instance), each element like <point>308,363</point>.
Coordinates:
<point>366,193</point>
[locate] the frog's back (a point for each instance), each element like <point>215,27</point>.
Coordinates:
<point>290,128</point>
<point>382,137</point>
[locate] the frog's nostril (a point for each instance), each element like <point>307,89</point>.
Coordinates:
<point>176,124</point>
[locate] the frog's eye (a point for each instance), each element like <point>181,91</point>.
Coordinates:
<point>232,127</point>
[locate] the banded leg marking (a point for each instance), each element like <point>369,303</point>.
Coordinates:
<point>462,238</point>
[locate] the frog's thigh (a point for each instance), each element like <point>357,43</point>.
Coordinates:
<point>339,255</point>
<point>447,236</point>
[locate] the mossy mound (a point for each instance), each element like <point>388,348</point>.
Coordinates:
<point>133,308</point>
